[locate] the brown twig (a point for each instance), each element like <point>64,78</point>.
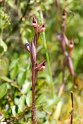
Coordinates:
<point>72,111</point>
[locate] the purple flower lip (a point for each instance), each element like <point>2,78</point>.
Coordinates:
<point>40,66</point>
<point>41,28</point>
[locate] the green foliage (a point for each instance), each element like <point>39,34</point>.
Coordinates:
<point>15,66</point>
<point>3,90</point>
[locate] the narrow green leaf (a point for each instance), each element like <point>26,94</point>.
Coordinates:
<point>6,79</point>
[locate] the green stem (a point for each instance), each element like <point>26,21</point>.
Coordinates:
<point>47,56</point>
<point>45,46</point>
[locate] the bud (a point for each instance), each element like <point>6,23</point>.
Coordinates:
<point>64,15</point>
<point>27,46</point>
<point>34,23</point>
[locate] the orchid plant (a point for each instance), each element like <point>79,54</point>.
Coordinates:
<point>31,48</point>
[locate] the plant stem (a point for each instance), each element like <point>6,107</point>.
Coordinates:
<point>31,48</point>
<point>33,94</point>
<point>72,112</point>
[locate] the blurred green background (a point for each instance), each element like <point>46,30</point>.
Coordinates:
<point>15,66</point>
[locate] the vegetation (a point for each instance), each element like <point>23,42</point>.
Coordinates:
<point>50,30</point>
